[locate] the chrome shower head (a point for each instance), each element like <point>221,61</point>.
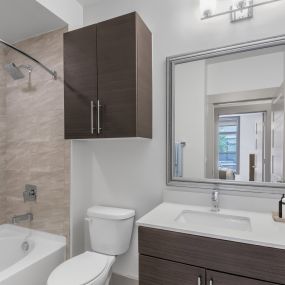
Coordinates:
<point>15,71</point>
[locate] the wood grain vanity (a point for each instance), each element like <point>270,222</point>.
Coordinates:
<point>108,80</point>
<point>172,258</point>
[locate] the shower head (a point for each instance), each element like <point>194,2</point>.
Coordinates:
<point>15,71</point>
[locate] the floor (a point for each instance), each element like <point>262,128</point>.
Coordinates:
<point>120,280</point>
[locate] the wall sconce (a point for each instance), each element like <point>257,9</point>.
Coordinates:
<point>239,10</point>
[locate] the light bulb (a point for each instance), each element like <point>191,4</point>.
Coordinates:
<point>239,4</point>
<point>208,7</point>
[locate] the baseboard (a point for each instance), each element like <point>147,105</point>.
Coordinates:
<point>121,280</point>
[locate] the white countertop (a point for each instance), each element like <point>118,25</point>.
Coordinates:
<point>264,231</point>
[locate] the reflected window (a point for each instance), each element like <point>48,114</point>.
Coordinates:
<point>228,143</point>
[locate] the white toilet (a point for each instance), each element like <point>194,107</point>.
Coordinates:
<point>110,235</point>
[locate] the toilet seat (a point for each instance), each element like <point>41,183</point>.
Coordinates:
<point>84,269</point>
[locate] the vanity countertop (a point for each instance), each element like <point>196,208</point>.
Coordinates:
<point>263,230</point>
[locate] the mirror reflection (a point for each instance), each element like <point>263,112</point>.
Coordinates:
<point>229,117</point>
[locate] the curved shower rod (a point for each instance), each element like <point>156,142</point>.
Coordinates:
<point>52,72</point>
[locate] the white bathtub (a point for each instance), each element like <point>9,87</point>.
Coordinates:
<point>27,257</point>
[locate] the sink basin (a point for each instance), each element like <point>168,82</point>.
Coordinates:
<point>214,220</point>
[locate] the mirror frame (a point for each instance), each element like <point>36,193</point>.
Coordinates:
<point>207,183</point>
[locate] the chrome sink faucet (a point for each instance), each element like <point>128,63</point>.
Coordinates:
<point>215,201</point>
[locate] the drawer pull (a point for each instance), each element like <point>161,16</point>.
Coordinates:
<point>199,280</point>
<point>92,117</point>
<point>99,106</point>
<point>211,282</point>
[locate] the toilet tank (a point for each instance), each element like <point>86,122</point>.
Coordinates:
<point>110,229</point>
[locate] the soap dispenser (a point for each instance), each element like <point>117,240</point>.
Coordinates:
<point>282,207</point>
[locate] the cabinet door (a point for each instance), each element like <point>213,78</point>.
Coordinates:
<point>155,271</point>
<point>116,51</point>
<point>216,278</point>
<point>80,82</point>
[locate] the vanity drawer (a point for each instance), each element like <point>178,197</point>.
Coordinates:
<point>217,278</point>
<point>247,260</point>
<point>155,271</point>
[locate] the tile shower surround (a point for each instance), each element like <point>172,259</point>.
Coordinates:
<point>2,138</point>
<point>32,145</point>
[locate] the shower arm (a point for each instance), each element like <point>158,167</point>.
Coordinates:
<point>51,72</point>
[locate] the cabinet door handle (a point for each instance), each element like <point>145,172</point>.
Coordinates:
<point>92,117</point>
<point>199,280</point>
<point>211,282</point>
<point>99,129</point>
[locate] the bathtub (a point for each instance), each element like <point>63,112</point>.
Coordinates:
<point>27,257</point>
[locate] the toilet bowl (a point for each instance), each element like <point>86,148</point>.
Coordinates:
<point>88,268</point>
<point>110,231</point>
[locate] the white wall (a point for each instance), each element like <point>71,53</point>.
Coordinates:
<point>132,173</point>
<point>245,74</point>
<point>277,139</point>
<point>81,194</point>
<point>248,144</point>
<point>190,116</point>
<point>69,11</point>
<point>250,73</point>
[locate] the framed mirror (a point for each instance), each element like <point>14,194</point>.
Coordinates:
<point>226,117</point>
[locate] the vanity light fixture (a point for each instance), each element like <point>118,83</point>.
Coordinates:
<point>208,8</point>
<point>239,10</point>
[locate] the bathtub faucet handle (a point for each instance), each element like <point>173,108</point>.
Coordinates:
<point>30,193</point>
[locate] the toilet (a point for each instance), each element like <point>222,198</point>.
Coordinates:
<point>110,232</point>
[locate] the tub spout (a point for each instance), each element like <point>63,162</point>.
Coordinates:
<point>25,217</point>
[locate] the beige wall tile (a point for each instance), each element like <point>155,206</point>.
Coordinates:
<point>35,151</point>
<point>2,98</point>
<point>2,71</point>
<point>2,135</point>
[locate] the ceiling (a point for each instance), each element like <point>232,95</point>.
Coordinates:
<point>86,2</point>
<point>22,19</point>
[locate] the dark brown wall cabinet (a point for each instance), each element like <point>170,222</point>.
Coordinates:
<point>170,258</point>
<point>108,80</point>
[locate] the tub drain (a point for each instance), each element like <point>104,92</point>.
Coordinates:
<point>25,246</point>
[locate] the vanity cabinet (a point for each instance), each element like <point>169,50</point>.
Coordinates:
<point>108,80</point>
<point>168,258</point>
<point>158,271</point>
<point>155,271</point>
<point>228,279</point>
<point>80,82</point>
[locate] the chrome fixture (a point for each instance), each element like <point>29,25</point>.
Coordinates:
<point>240,9</point>
<point>19,74</point>
<point>92,117</point>
<point>30,193</point>
<point>99,108</point>
<point>215,201</point>
<point>25,246</point>
<point>15,71</point>
<point>26,217</point>
<point>208,7</point>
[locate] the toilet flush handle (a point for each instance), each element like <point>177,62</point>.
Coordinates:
<point>88,220</point>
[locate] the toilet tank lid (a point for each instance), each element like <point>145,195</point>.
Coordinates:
<point>110,213</point>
